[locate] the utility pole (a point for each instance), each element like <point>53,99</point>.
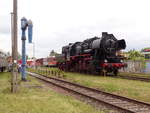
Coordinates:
<point>14,48</point>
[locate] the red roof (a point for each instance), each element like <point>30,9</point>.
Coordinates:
<point>146,50</point>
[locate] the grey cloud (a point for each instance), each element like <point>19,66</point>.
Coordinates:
<point>55,40</point>
<point>5,27</point>
<point>4,30</point>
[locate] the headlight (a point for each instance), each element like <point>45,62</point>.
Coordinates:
<point>121,60</point>
<point>105,61</point>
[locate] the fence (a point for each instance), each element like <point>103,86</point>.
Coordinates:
<point>137,66</point>
<point>48,72</point>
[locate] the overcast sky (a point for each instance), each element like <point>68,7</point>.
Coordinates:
<point>59,22</point>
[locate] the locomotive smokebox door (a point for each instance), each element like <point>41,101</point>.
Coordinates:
<point>121,44</point>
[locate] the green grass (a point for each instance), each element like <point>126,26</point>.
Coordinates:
<point>31,99</point>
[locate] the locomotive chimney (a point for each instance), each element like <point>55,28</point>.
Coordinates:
<point>111,35</point>
<point>104,34</point>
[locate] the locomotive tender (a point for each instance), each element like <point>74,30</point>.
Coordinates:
<point>94,55</point>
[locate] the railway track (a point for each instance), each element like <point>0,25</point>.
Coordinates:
<point>111,101</point>
<point>145,79</point>
<point>129,77</point>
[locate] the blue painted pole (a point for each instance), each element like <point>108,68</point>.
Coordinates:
<point>23,55</point>
<point>24,25</point>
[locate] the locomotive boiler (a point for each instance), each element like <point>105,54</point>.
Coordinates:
<point>94,55</point>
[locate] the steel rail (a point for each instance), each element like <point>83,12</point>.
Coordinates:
<point>145,79</point>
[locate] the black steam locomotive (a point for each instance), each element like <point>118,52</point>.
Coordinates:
<point>94,55</point>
